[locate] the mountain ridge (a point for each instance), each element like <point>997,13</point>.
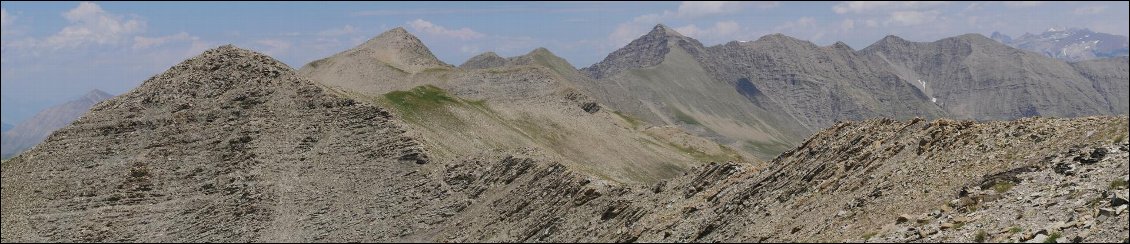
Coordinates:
<point>232,145</point>
<point>34,130</point>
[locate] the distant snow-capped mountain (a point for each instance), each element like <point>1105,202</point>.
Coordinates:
<point>1070,44</point>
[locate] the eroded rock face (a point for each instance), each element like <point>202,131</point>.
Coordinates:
<point>228,146</point>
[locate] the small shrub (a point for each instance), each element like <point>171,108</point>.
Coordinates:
<point>1002,187</point>
<point>1015,229</point>
<point>869,235</point>
<point>1118,184</point>
<point>981,236</point>
<point>1052,237</point>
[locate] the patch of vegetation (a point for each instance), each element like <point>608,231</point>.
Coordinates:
<point>1015,230</point>
<point>480,104</point>
<point>767,148</point>
<point>435,69</point>
<point>419,99</point>
<point>631,120</point>
<point>981,236</point>
<point>1052,237</point>
<point>1118,184</point>
<point>869,235</point>
<point>1003,186</point>
<point>686,119</point>
<point>958,225</point>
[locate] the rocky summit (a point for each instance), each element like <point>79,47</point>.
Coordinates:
<point>657,143</point>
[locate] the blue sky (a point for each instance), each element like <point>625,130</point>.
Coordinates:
<point>56,51</point>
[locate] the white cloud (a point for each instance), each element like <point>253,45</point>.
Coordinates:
<point>348,29</point>
<point>469,49</point>
<point>5,19</point>
<point>1023,4</point>
<point>858,7</point>
<point>1095,9</point>
<point>908,18</point>
<point>92,25</point>
<point>847,24</point>
<point>722,30</point>
<point>692,9</point>
<point>628,31</point>
<point>274,47</point>
<point>803,23</point>
<point>141,42</point>
<point>437,30</point>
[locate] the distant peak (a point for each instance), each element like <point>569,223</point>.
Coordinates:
<point>97,94</point>
<point>974,37</point>
<point>488,54</point>
<point>541,50</point>
<point>402,50</point>
<point>779,37</point>
<point>484,60</point>
<point>893,38</point>
<point>842,45</point>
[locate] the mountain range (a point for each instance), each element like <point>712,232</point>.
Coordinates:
<point>764,96</point>
<point>665,140</point>
<point>1070,44</point>
<point>34,130</point>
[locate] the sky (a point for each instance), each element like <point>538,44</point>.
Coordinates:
<point>53,52</point>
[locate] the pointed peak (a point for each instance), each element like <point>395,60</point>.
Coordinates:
<point>842,46</point>
<point>541,51</point>
<point>663,30</point>
<point>483,61</point>
<point>399,32</point>
<point>892,38</point>
<point>488,54</point>
<point>402,50</point>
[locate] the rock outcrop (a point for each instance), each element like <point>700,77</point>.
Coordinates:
<point>228,146</point>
